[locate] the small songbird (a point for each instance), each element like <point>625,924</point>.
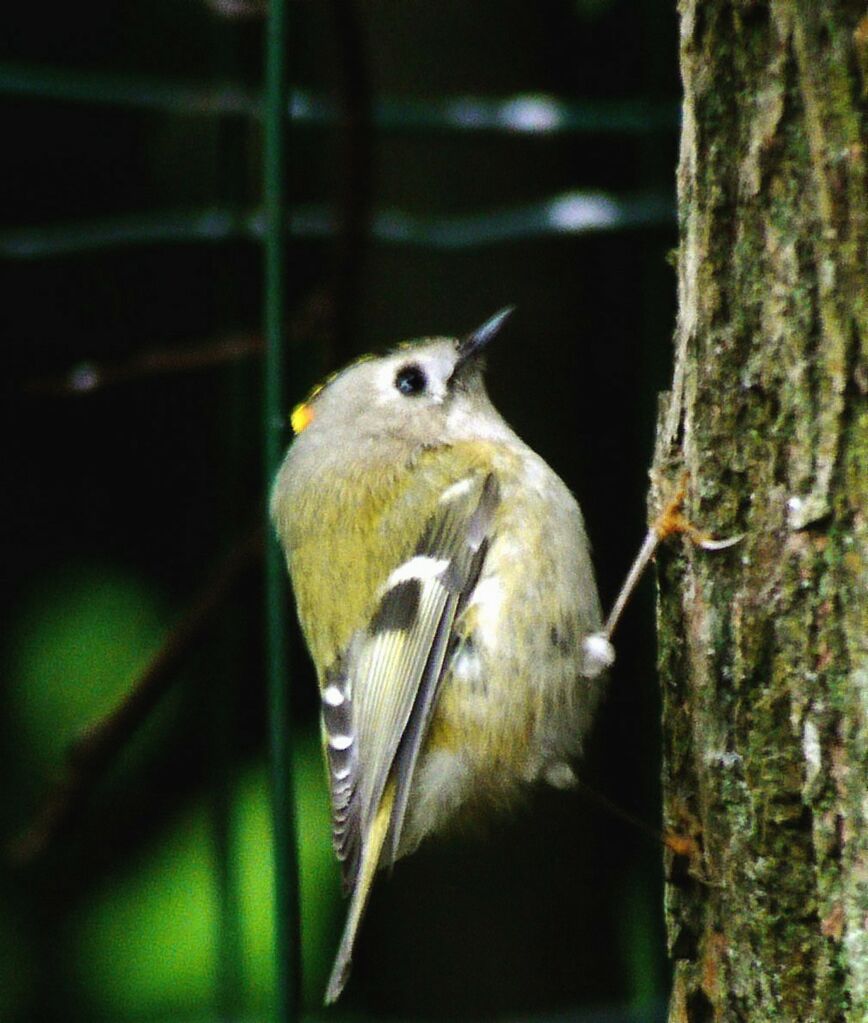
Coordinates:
<point>444,586</point>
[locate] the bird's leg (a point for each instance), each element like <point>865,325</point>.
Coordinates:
<point>599,652</point>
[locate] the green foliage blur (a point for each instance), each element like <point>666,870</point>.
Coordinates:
<point>146,941</point>
<point>75,641</point>
<point>155,902</point>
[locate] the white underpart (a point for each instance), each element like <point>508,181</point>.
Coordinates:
<point>560,775</point>
<point>465,422</point>
<point>535,473</point>
<point>419,567</point>
<point>456,490</point>
<point>488,601</point>
<point>467,666</point>
<point>443,782</point>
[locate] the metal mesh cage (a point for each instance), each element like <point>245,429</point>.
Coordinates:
<point>182,230</point>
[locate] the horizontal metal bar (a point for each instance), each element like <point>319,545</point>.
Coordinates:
<point>524,114</point>
<point>571,213</point>
<point>161,227</point>
<point>102,89</point>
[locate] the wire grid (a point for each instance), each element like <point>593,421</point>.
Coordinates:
<point>569,213</point>
<point>286,898</point>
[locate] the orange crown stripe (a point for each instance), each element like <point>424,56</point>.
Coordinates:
<point>301,418</point>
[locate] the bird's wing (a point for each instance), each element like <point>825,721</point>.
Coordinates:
<point>378,700</point>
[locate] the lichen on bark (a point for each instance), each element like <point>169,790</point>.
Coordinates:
<point>762,648</point>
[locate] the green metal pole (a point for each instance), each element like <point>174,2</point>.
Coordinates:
<point>287,950</point>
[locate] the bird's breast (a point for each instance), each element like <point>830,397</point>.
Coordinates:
<point>511,702</point>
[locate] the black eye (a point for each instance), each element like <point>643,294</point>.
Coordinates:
<point>411,380</point>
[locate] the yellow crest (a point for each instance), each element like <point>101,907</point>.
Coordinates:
<point>303,414</point>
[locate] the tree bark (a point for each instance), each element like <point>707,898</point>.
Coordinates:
<point>762,648</point>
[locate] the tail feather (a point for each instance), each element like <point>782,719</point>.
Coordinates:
<point>370,860</point>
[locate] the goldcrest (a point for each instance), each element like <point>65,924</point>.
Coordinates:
<point>444,585</point>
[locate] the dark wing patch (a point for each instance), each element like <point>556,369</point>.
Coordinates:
<point>398,607</point>
<point>459,578</point>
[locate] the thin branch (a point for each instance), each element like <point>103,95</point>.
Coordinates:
<point>87,377</point>
<point>239,10</point>
<point>669,522</point>
<point>98,746</point>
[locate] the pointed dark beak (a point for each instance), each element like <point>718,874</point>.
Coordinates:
<point>471,345</point>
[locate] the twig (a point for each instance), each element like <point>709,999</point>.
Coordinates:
<point>239,9</point>
<point>98,746</point>
<point>669,522</point>
<point>87,377</point>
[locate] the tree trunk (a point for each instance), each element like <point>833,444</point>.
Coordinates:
<point>762,647</point>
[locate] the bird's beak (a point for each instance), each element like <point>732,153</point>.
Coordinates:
<point>472,344</point>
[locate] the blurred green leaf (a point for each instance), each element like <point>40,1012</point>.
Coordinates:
<point>320,908</point>
<point>79,640</point>
<point>640,941</point>
<point>146,944</point>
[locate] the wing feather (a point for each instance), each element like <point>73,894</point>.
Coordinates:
<point>384,692</point>
<point>379,700</point>
<point>460,579</point>
<point>342,759</point>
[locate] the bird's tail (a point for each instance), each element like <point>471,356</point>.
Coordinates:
<point>370,860</point>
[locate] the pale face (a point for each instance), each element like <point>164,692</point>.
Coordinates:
<point>415,376</point>
<point>409,392</point>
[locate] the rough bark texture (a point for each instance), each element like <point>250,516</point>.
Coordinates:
<point>762,647</point>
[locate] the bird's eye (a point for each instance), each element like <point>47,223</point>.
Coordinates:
<point>411,380</point>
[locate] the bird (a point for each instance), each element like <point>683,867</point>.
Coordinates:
<point>443,582</point>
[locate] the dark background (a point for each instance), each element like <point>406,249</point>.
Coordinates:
<point>118,502</point>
